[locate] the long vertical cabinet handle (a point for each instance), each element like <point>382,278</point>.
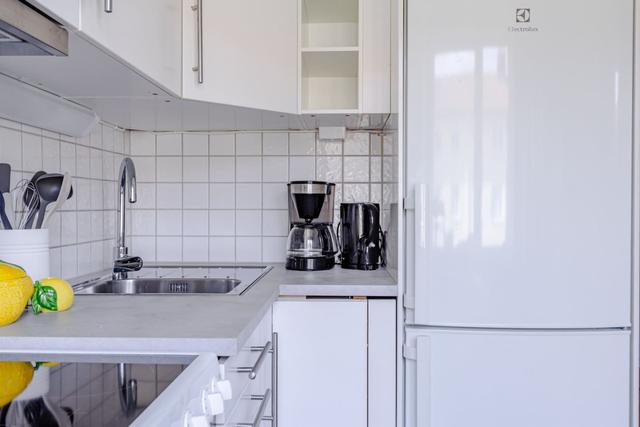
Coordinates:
<point>420,244</point>
<point>274,379</point>
<point>199,68</point>
<point>108,6</point>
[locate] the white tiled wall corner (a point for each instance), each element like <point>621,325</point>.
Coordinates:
<point>82,232</point>
<point>222,197</point>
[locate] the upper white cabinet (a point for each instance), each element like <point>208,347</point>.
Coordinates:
<point>64,11</point>
<point>248,53</point>
<point>345,56</point>
<point>143,33</point>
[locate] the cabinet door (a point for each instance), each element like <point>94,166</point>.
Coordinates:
<point>249,53</point>
<point>143,33</point>
<point>322,363</point>
<point>376,56</point>
<point>461,378</point>
<point>382,362</point>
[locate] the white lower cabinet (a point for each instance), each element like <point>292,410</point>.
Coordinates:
<point>326,349</point>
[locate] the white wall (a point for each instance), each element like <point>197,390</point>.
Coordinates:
<point>221,197</point>
<point>82,233</point>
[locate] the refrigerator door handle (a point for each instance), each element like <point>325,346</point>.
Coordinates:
<point>420,243</point>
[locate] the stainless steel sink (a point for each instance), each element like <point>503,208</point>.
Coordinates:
<point>176,280</point>
<point>164,286</point>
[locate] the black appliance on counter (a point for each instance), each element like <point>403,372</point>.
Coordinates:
<point>361,239</point>
<point>312,243</point>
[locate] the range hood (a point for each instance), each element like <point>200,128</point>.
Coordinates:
<point>26,32</point>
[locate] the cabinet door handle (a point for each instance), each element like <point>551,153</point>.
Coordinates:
<point>274,379</point>
<point>199,67</point>
<point>253,371</point>
<point>260,414</point>
<point>108,6</point>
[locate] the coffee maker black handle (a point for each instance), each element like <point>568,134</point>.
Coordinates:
<point>372,211</point>
<point>383,247</point>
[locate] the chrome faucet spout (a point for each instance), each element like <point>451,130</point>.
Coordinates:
<point>126,184</point>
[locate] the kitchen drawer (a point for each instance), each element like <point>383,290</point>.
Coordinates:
<point>236,371</point>
<point>251,406</point>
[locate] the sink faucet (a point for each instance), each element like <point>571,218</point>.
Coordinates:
<point>123,262</point>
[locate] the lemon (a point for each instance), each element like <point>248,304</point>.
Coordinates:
<point>14,378</point>
<point>15,290</point>
<point>51,294</point>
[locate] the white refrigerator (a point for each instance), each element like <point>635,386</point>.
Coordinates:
<point>518,213</point>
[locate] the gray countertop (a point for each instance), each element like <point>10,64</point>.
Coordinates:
<point>157,329</point>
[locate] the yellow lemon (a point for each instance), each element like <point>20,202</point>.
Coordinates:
<point>15,290</point>
<point>51,294</point>
<point>14,378</point>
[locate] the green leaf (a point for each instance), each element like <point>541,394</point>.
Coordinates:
<point>44,297</point>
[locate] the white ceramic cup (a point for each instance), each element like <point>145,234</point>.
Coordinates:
<point>27,248</point>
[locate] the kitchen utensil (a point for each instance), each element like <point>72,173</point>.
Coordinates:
<point>362,242</point>
<point>50,187</point>
<point>31,200</point>
<point>65,193</point>
<point>5,186</point>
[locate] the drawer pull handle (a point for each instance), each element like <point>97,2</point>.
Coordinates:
<point>263,407</point>
<point>253,371</point>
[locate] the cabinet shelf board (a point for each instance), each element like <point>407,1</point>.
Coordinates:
<point>329,11</point>
<point>331,49</point>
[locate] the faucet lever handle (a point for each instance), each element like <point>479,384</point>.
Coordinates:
<point>126,264</point>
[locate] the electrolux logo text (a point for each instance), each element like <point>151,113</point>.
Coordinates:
<point>523,16</point>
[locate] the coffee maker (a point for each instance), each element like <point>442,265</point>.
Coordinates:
<point>362,241</point>
<point>312,243</point>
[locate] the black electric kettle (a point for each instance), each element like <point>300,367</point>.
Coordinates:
<point>360,236</point>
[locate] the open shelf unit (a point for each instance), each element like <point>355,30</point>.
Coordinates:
<point>330,59</point>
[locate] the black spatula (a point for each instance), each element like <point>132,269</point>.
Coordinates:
<point>5,187</point>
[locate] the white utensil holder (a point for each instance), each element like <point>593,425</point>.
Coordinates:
<point>27,248</point>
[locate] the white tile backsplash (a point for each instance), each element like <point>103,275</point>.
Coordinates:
<point>248,196</point>
<point>222,223</point>
<point>249,144</point>
<point>195,144</point>
<point>302,144</point>
<point>275,143</point>
<point>222,196</point>
<point>275,169</point>
<point>302,168</point>
<point>169,249</point>
<point>222,249</point>
<point>169,144</point>
<point>195,169</point>
<point>169,169</point>
<point>169,223</point>
<point>356,143</point>
<point>195,249</point>
<point>143,144</point>
<point>222,169</point>
<point>225,198</point>
<point>248,249</point>
<point>249,169</point>
<point>195,223</point>
<point>195,196</point>
<point>222,144</point>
